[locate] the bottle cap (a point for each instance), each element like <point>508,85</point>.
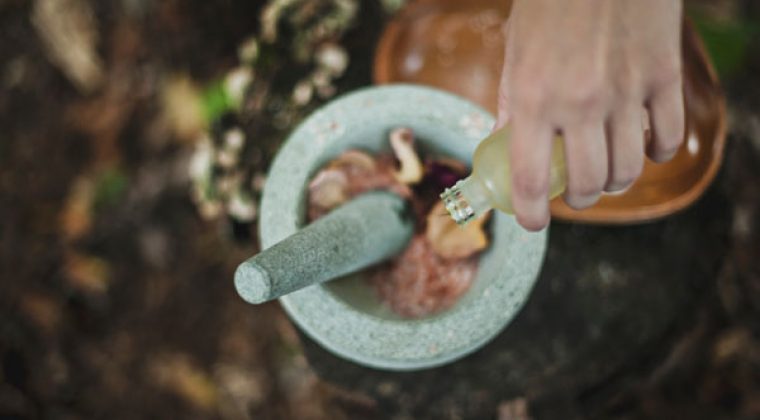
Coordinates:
<point>457,205</point>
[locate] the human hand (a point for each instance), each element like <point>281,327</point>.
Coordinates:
<point>593,71</point>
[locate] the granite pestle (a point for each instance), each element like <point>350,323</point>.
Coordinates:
<point>366,230</point>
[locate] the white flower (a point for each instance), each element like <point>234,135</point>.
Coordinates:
<point>236,82</point>
<point>333,58</point>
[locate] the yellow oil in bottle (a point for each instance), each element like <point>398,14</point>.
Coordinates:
<point>490,184</point>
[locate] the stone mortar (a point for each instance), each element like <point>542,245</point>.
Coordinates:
<point>344,316</point>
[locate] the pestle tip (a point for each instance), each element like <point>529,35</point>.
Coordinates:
<point>253,283</point>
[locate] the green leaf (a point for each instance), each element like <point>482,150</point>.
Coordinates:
<point>110,187</point>
<point>727,42</point>
<point>215,101</point>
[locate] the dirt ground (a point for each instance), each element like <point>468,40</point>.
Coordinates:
<point>116,297</point>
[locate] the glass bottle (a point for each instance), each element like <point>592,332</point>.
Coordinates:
<point>490,184</point>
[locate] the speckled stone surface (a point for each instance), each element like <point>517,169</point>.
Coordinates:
<point>366,230</point>
<point>344,317</point>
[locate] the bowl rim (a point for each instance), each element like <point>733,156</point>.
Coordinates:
<point>364,338</point>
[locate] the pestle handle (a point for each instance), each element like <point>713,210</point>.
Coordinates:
<point>361,232</point>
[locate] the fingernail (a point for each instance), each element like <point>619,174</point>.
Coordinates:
<point>581,202</point>
<point>617,187</point>
<point>533,215</point>
<point>664,156</point>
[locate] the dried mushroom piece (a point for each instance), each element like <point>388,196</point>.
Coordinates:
<point>451,241</point>
<point>354,160</point>
<point>327,190</point>
<point>352,173</point>
<point>402,142</point>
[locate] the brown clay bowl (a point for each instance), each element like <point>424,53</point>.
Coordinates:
<point>458,46</point>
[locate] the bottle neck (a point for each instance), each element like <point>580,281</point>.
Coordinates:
<point>466,200</point>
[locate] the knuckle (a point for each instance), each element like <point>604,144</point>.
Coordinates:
<point>588,99</point>
<point>628,82</point>
<point>530,100</point>
<point>586,96</point>
<point>668,75</point>
<point>529,91</point>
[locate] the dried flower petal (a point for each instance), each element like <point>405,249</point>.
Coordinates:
<point>332,58</point>
<point>242,207</point>
<point>402,142</point>
<point>202,160</point>
<point>303,92</point>
<point>449,240</point>
<point>229,182</point>
<point>248,51</point>
<point>226,158</point>
<point>236,83</point>
<point>445,172</point>
<point>234,138</point>
<point>86,273</point>
<point>177,373</point>
<point>320,78</point>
